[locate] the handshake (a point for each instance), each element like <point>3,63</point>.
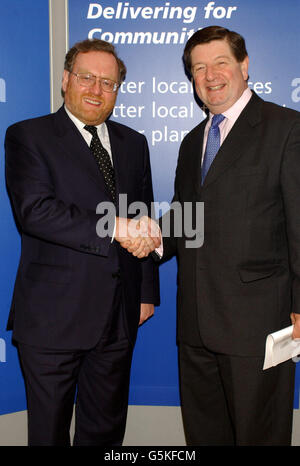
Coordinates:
<point>139,237</point>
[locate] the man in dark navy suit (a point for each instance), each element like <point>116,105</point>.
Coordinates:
<point>79,296</point>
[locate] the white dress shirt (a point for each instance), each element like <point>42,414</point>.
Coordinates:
<point>231,115</point>
<point>103,135</point>
<point>101,130</point>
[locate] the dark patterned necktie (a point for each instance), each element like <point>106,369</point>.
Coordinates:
<point>103,160</point>
<point>212,145</point>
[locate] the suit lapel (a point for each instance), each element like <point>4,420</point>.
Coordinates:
<point>197,150</point>
<point>74,146</point>
<point>237,141</point>
<point>119,156</point>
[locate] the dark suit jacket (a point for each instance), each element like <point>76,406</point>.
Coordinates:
<point>244,281</point>
<point>67,275</point>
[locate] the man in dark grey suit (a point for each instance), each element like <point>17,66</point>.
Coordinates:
<point>79,296</point>
<point>243,163</point>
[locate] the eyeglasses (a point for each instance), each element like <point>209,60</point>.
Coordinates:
<point>89,80</point>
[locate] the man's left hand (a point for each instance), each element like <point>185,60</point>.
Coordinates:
<point>295,318</point>
<point>147,311</point>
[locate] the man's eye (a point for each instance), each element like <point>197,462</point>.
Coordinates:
<point>199,68</point>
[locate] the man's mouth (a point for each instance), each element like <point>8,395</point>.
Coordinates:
<point>92,101</point>
<point>216,88</point>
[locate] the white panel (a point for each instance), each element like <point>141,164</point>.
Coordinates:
<point>59,45</point>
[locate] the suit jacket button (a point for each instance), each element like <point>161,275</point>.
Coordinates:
<point>116,274</point>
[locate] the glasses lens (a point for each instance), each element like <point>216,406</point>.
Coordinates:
<point>86,80</point>
<point>107,85</point>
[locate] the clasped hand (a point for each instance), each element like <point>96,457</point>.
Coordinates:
<point>139,237</point>
<point>295,318</point>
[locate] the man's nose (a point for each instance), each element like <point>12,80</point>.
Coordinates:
<point>97,88</point>
<point>210,73</point>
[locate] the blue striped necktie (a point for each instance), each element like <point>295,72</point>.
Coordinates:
<point>212,145</point>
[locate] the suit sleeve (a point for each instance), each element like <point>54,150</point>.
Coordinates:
<point>168,222</point>
<point>38,211</point>
<point>290,185</point>
<point>150,277</point>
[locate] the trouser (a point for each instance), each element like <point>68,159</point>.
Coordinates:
<point>230,400</point>
<point>100,376</point>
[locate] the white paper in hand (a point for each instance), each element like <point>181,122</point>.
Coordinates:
<point>280,347</point>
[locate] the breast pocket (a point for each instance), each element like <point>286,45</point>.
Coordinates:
<point>252,274</point>
<point>250,171</point>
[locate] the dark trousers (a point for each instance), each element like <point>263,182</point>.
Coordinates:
<point>100,376</point>
<point>229,400</point>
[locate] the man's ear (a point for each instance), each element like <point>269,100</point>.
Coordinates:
<point>65,80</point>
<point>244,68</point>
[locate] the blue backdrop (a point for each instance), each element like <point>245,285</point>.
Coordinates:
<point>157,100</point>
<point>24,84</point>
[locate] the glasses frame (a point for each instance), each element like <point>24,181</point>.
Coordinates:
<point>115,88</point>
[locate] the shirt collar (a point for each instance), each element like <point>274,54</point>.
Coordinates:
<point>78,123</point>
<point>236,109</point>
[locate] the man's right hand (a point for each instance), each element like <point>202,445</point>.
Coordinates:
<point>139,237</point>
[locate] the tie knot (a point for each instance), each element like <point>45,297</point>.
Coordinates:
<point>91,129</point>
<point>217,119</point>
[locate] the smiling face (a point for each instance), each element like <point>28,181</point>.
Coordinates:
<point>91,105</point>
<point>219,78</point>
